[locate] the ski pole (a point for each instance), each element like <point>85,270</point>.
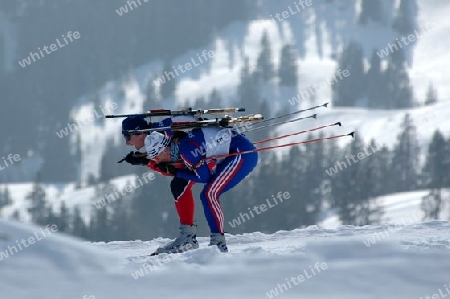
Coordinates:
<point>180,164</point>
<point>281,146</point>
<point>352,134</point>
<point>297,133</point>
<point>280,123</point>
<point>295,112</point>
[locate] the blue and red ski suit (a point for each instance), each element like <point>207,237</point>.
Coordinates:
<point>199,144</point>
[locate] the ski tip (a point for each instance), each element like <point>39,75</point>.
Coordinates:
<point>240,109</point>
<point>154,253</point>
<point>338,124</point>
<point>109,116</point>
<point>351,134</point>
<point>326,105</point>
<point>314,116</point>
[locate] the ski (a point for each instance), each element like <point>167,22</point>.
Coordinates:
<point>153,254</point>
<point>225,122</point>
<point>141,257</point>
<point>189,111</point>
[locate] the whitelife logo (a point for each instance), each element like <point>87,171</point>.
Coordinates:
<point>11,157</point>
<point>262,208</point>
<point>298,280</point>
<point>53,47</point>
<point>323,85</point>
<point>187,67</point>
<point>12,249</point>
<point>86,119</point>
<point>124,9</point>
<point>391,48</point>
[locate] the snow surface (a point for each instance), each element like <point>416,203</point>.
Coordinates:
<point>409,261</point>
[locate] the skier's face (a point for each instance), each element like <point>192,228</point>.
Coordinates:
<point>138,141</point>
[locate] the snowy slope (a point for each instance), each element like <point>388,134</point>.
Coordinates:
<point>381,125</point>
<point>316,65</point>
<point>431,59</point>
<point>240,40</point>
<point>410,261</point>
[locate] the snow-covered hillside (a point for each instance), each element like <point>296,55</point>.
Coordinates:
<point>398,208</point>
<point>411,261</point>
<point>316,66</point>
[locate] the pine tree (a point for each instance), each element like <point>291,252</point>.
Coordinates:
<point>263,108</point>
<point>405,162</point>
<point>264,65</point>
<point>376,96</point>
<point>57,150</point>
<point>215,99</point>
<point>248,92</point>
<point>199,103</point>
<point>399,89</point>
<point>51,216</point>
<point>288,71</point>
<point>78,158</point>
<point>348,91</point>
<point>406,20</point>
<point>375,166</point>
<point>108,167</point>
<point>371,10</point>
<point>271,218</point>
<point>294,178</point>
<point>315,176</point>
<point>153,98</point>
<point>431,97</point>
<point>436,171</point>
<point>350,198</point>
<point>100,227</point>
<point>121,217</point>
<point>377,169</point>
<point>5,198</point>
<point>333,154</point>
<point>64,219</point>
<point>2,201</point>
<point>38,205</point>
<point>167,89</point>
<point>78,225</point>
<point>16,215</point>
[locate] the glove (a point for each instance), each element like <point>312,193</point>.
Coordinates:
<point>168,168</point>
<point>135,158</point>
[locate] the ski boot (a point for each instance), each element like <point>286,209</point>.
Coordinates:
<point>218,239</point>
<point>185,241</point>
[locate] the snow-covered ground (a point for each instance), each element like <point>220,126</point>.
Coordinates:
<point>410,261</point>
